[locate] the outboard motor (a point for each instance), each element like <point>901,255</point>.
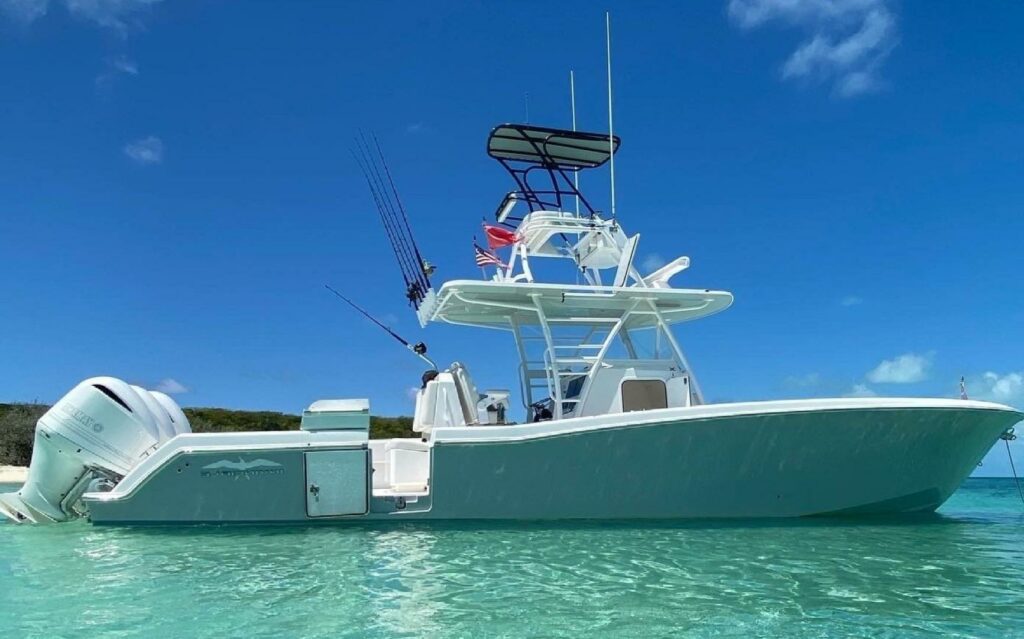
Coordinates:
<point>92,437</point>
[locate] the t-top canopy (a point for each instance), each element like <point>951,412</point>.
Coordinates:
<point>500,305</point>
<point>549,147</point>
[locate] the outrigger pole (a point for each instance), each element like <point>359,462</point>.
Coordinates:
<point>419,348</point>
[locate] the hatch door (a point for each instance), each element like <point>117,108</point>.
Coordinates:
<point>336,482</point>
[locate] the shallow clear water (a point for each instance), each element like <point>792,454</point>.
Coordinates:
<point>959,573</point>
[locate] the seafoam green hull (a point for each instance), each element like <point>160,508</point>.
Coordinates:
<point>780,465</point>
<point>701,465</point>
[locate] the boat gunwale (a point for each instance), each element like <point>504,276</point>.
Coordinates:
<point>705,412</point>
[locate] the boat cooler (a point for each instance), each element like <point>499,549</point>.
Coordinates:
<point>337,414</point>
<point>338,481</point>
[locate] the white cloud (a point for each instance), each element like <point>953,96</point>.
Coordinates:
<point>851,300</point>
<point>860,390</point>
<point>115,67</point>
<point>905,369</point>
<point>122,64</point>
<point>113,14</point>
<point>25,11</point>
<point>653,262</point>
<point>119,15</point>
<point>171,387</point>
<point>148,150</point>
<point>847,40</point>
<point>411,392</point>
<point>1005,389</point>
<point>803,381</point>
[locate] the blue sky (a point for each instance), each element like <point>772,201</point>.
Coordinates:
<point>176,187</point>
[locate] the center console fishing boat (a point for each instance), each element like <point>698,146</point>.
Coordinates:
<point>614,422</point>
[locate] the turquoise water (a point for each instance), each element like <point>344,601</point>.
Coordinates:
<point>959,573</point>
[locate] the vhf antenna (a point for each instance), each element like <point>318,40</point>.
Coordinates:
<point>611,132</point>
<point>572,102</point>
<point>419,348</point>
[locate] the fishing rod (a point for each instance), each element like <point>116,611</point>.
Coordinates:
<point>387,228</point>
<point>419,348</point>
<point>411,267</point>
<point>393,216</point>
<point>424,269</point>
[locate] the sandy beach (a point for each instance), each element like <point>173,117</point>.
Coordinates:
<point>13,474</point>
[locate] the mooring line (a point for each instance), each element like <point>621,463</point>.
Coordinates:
<point>1006,437</point>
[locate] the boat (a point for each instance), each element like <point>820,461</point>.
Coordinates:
<point>614,423</point>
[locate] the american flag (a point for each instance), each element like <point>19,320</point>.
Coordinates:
<point>485,258</point>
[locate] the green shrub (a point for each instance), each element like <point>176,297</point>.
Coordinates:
<point>389,427</point>
<point>221,420</point>
<point>17,429</point>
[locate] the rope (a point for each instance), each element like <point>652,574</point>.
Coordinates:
<point>1016,480</point>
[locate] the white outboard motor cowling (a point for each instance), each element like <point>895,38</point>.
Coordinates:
<point>98,431</point>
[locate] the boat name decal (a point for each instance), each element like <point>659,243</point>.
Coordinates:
<point>242,468</point>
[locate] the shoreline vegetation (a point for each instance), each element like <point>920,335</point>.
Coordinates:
<point>18,425</point>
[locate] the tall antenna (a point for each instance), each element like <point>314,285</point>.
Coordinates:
<point>572,100</point>
<point>611,130</point>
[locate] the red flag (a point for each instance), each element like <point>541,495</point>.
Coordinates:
<point>498,237</point>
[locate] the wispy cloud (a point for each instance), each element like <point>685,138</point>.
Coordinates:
<point>653,262</point>
<point>851,300</point>
<point>148,150</point>
<point>171,386</point>
<point>114,14</point>
<point>114,67</point>
<point>1005,389</point>
<point>24,11</point>
<point>860,390</point>
<point>905,369</point>
<point>845,44</point>
<point>122,64</point>
<point>119,15</point>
